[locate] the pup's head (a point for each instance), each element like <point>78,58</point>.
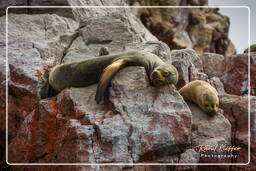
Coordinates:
<point>210,104</point>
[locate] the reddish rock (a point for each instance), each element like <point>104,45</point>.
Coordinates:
<point>236,73</point>
<point>252,164</point>
<point>236,111</point>
<point>30,50</point>
<point>134,125</point>
<point>232,71</point>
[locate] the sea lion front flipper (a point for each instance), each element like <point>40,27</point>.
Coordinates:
<point>108,74</point>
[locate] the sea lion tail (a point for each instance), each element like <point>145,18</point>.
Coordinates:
<point>107,75</point>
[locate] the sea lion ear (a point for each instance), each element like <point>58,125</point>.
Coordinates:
<point>107,75</point>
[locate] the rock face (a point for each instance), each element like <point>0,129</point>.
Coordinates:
<point>127,127</point>
<point>66,12</point>
<point>205,29</point>
<point>191,67</point>
<point>37,42</point>
<point>136,123</point>
<point>232,70</point>
<point>236,110</point>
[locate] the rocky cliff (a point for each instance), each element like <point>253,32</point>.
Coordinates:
<point>137,123</point>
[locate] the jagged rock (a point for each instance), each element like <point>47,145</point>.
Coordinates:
<point>135,123</point>
<point>218,85</point>
<point>115,131</point>
<point>188,65</point>
<point>82,14</point>
<point>231,70</point>
<point>189,156</point>
<point>138,123</point>
<point>236,111</point>
<point>212,64</point>
<point>65,12</point>
<point>116,31</point>
<point>5,3</point>
<point>236,73</point>
<point>212,131</point>
<point>217,129</point>
<point>34,42</point>
<point>205,30</point>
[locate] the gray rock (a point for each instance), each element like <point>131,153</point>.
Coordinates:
<point>218,85</point>
<point>213,64</point>
<point>5,3</point>
<point>209,130</point>
<point>136,121</point>
<point>82,14</point>
<point>65,12</point>
<point>34,42</point>
<point>188,64</point>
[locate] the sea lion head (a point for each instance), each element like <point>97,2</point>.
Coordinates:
<point>210,103</point>
<point>164,74</point>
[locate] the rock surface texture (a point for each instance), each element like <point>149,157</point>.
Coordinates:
<point>127,127</point>
<point>136,123</point>
<point>204,29</point>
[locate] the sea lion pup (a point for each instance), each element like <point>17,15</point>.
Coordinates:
<point>203,94</point>
<point>102,69</point>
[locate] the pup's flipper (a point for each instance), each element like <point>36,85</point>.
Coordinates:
<point>108,74</point>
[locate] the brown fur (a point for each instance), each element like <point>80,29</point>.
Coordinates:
<point>202,94</point>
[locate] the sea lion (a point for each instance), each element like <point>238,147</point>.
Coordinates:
<point>102,69</point>
<point>203,94</point>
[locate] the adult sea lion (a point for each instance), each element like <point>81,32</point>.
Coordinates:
<point>203,94</point>
<point>102,69</point>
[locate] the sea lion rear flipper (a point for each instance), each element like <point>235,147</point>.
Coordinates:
<point>108,74</point>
